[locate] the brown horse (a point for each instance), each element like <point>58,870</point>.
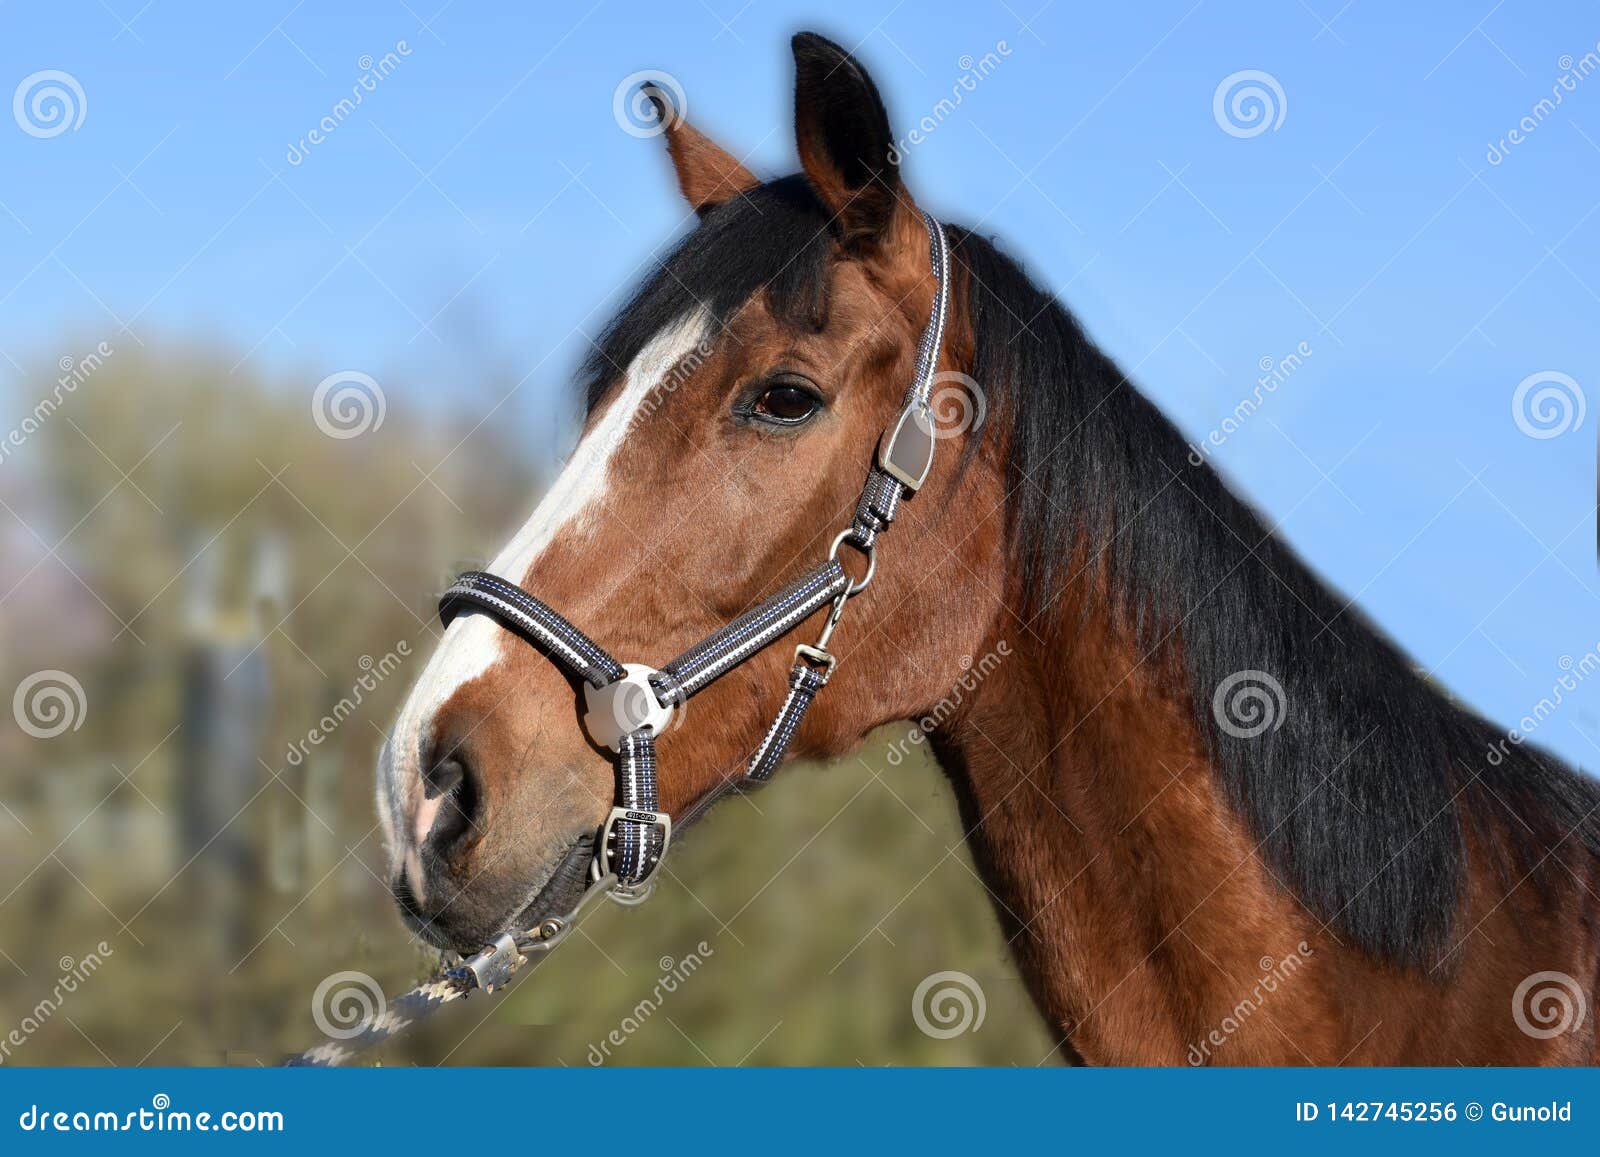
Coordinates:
<point>1222,818</point>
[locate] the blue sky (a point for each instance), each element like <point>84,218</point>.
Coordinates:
<point>481,209</point>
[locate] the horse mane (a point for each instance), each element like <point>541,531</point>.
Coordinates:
<point>773,236</point>
<point>1363,799</point>
<point>1358,798</point>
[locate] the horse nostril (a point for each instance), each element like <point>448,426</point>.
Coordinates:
<point>450,780</point>
<point>444,776</point>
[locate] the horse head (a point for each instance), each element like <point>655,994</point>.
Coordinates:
<point>734,408</point>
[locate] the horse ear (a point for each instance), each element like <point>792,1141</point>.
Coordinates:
<point>707,173</point>
<point>846,149</point>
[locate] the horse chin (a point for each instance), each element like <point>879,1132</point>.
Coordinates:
<point>560,894</point>
<point>466,923</point>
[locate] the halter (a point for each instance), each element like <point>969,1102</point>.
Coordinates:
<point>629,704</point>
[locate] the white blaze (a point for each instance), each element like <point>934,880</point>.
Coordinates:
<point>472,644</point>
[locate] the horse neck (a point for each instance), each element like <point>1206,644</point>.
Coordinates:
<point>1125,884</point>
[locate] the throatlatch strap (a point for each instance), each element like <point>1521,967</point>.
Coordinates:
<point>716,655</point>
<point>534,621</point>
<point>804,683</point>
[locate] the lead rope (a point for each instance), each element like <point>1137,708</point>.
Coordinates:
<point>629,704</point>
<point>488,970</point>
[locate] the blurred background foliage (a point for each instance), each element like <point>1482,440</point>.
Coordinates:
<point>217,573</point>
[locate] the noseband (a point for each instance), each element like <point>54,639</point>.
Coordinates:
<point>629,704</point>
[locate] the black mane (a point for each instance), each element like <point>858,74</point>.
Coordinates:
<point>775,235</point>
<point>1358,799</point>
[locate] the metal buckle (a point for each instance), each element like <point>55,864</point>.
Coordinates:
<point>552,930</point>
<point>817,653</point>
<point>635,891</point>
<point>824,659</point>
<point>907,454</point>
<point>494,965</point>
<point>848,534</point>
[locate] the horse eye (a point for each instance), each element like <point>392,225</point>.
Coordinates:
<point>786,404</point>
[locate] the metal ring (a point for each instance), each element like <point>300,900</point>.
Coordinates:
<point>871,551</point>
